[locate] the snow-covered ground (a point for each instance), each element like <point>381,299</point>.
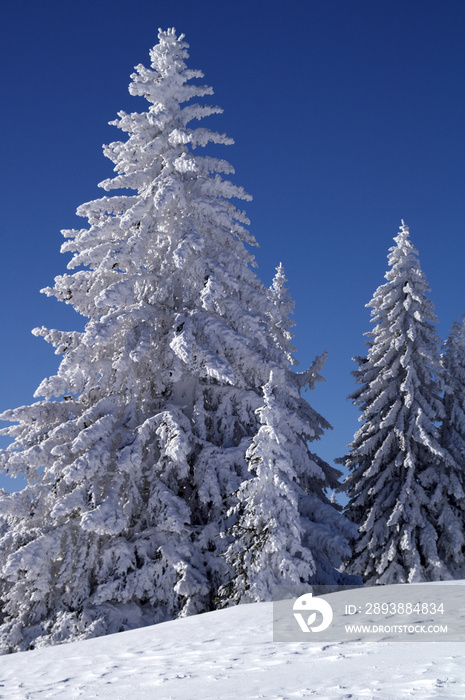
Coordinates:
<point>230,654</point>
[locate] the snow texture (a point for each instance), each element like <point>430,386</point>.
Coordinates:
<point>229,654</point>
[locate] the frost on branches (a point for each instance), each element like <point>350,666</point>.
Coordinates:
<point>280,316</point>
<point>285,529</point>
<point>453,426</point>
<point>403,486</point>
<point>136,449</point>
<point>453,361</point>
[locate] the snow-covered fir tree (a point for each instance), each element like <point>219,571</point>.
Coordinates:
<point>453,361</point>
<point>285,529</point>
<point>267,546</point>
<point>402,484</point>
<point>453,425</point>
<point>136,447</point>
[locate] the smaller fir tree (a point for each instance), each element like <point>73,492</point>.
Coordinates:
<point>401,479</point>
<point>453,432</point>
<point>453,361</point>
<point>267,547</point>
<point>285,529</point>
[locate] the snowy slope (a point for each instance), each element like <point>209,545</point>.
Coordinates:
<point>229,654</point>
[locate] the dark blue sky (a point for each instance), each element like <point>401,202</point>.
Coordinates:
<point>348,115</point>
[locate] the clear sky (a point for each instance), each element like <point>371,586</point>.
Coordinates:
<point>348,115</point>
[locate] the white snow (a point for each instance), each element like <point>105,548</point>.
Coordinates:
<point>230,654</point>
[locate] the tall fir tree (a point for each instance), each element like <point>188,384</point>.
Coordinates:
<point>401,480</point>
<point>136,447</point>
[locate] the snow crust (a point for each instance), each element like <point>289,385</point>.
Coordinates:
<point>230,654</point>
